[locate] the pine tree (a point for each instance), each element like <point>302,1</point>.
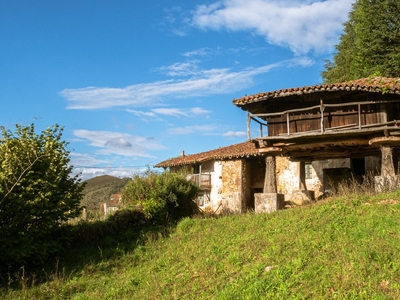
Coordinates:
<point>370,43</point>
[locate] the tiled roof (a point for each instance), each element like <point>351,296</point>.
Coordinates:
<point>374,84</point>
<point>245,149</point>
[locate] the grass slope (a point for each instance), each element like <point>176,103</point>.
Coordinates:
<point>341,249</point>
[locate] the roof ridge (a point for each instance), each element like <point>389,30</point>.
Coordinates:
<point>243,149</point>
<point>389,85</point>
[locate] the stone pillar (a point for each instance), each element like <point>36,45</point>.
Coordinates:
<point>388,178</point>
<point>270,175</point>
<point>302,176</point>
<point>269,200</point>
<point>387,169</point>
<point>302,196</point>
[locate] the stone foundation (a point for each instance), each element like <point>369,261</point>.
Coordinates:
<point>302,197</point>
<point>386,183</point>
<point>268,202</point>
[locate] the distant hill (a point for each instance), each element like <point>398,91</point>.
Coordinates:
<point>99,189</point>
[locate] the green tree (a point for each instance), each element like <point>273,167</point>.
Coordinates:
<point>38,194</point>
<point>370,43</point>
<point>163,197</point>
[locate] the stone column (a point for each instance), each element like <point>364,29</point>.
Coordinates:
<point>387,168</point>
<point>269,200</point>
<point>302,176</point>
<point>302,196</point>
<point>388,177</point>
<point>270,175</point>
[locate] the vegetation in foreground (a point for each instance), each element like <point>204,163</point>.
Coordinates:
<point>345,248</point>
<point>38,195</point>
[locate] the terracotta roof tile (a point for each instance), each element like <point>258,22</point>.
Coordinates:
<point>234,151</point>
<point>374,84</point>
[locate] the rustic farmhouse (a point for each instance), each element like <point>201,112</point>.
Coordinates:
<point>306,140</point>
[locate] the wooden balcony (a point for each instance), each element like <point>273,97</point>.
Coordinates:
<point>326,131</point>
<point>202,180</point>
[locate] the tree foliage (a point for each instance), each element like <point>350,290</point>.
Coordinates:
<point>370,43</point>
<point>163,197</point>
<point>38,194</point>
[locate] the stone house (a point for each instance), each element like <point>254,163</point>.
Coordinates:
<point>112,205</point>
<point>308,140</point>
<point>229,177</point>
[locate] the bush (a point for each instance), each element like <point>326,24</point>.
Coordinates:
<point>89,233</point>
<point>162,197</point>
<point>37,195</point>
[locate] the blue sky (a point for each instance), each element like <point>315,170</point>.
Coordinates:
<point>136,82</point>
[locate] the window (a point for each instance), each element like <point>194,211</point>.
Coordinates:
<point>308,170</point>
<point>200,199</point>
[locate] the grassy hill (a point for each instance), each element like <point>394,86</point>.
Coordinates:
<point>344,248</point>
<point>98,190</point>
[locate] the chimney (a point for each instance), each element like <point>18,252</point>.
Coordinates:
<point>183,153</point>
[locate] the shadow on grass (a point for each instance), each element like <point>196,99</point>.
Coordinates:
<point>90,243</point>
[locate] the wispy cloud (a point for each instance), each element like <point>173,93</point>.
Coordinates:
<point>154,114</point>
<point>203,83</point>
<point>142,114</point>
<point>187,68</point>
<point>198,129</point>
<point>86,173</point>
<point>234,134</point>
<point>84,159</point>
<point>199,52</point>
<point>300,25</point>
<point>119,143</point>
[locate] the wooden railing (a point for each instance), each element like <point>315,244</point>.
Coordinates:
<point>263,126</point>
<point>202,180</point>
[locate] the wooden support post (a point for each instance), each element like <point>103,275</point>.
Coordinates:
<point>302,176</point>
<point>288,123</point>
<point>248,126</point>
<point>322,108</point>
<point>270,175</point>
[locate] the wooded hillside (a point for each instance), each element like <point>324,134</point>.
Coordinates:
<point>99,189</point>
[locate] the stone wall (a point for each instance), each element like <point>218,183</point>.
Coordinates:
<point>233,175</point>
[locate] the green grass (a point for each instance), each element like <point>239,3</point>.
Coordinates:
<point>345,248</point>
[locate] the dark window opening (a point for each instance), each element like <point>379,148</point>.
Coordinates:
<point>358,166</point>
<point>196,169</point>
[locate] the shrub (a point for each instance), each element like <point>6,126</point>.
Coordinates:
<point>162,197</point>
<point>89,233</point>
<point>37,195</point>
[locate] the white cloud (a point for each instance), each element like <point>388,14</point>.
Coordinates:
<point>300,25</point>
<point>172,112</point>
<point>176,112</point>
<point>118,143</point>
<point>181,69</point>
<point>199,52</point>
<point>84,159</point>
<point>199,111</point>
<point>193,129</point>
<point>234,134</point>
<point>86,173</point>
<point>204,83</point>
<point>141,113</point>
